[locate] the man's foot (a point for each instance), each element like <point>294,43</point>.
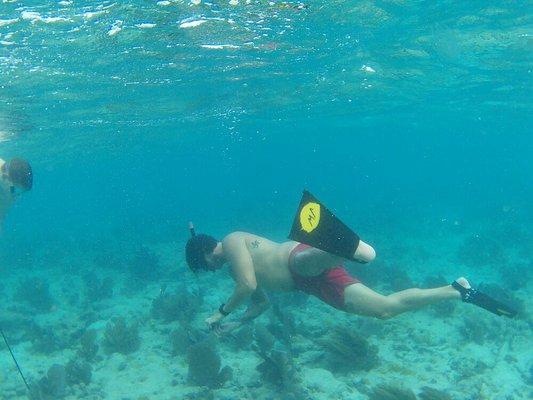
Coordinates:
<point>471,295</point>
<point>463,282</point>
<point>364,253</point>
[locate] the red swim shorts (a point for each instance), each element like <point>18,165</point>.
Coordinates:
<point>328,286</point>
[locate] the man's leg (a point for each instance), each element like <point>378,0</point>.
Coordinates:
<point>312,261</point>
<point>361,300</point>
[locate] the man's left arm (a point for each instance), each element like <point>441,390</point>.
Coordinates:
<point>258,305</point>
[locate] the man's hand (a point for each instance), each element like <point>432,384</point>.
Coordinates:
<point>224,329</point>
<point>213,321</point>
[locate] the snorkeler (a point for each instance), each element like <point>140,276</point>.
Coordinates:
<point>312,262</point>
<point>16,177</point>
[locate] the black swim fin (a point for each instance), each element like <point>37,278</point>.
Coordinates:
<point>480,299</point>
<point>318,227</point>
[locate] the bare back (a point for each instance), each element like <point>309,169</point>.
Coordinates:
<point>270,261</point>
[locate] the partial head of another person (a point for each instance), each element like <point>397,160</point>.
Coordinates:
<point>18,173</point>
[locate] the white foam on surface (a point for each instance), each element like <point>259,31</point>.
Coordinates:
<point>366,68</point>
<point>5,22</point>
<point>51,20</point>
<point>92,14</point>
<point>219,46</point>
<point>35,16</point>
<point>192,24</point>
<point>145,26</point>
<point>30,16</point>
<point>116,28</point>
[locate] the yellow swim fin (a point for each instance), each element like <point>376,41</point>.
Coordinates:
<point>318,227</point>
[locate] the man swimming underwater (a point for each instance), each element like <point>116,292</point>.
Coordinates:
<point>259,264</point>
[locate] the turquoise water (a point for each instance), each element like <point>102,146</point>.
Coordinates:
<point>411,120</point>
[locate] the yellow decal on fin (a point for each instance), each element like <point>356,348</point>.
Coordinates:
<point>310,216</point>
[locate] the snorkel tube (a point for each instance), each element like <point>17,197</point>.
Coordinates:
<point>191,229</point>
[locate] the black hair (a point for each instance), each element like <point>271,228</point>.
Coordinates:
<point>196,249</point>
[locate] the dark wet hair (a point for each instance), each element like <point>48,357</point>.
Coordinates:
<point>196,249</point>
<point>20,173</point>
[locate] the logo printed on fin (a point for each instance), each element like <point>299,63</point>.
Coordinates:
<point>310,217</point>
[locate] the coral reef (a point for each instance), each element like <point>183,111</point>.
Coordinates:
<point>180,306</point>
<point>478,330</point>
<point>485,326</point>
<point>204,365</point>
<point>78,372</point>
<point>263,338</point>
<point>46,341</point>
<point>96,289</point>
<point>53,386</point>
<point>347,351</point>
<point>276,368</point>
<point>184,337</point>
<point>279,370</point>
<point>88,346</point>
<point>19,327</point>
<point>35,292</point>
<point>121,338</point>
<point>242,338</point>
<point>284,326</point>
<point>433,394</point>
<point>370,326</point>
<point>389,392</point>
